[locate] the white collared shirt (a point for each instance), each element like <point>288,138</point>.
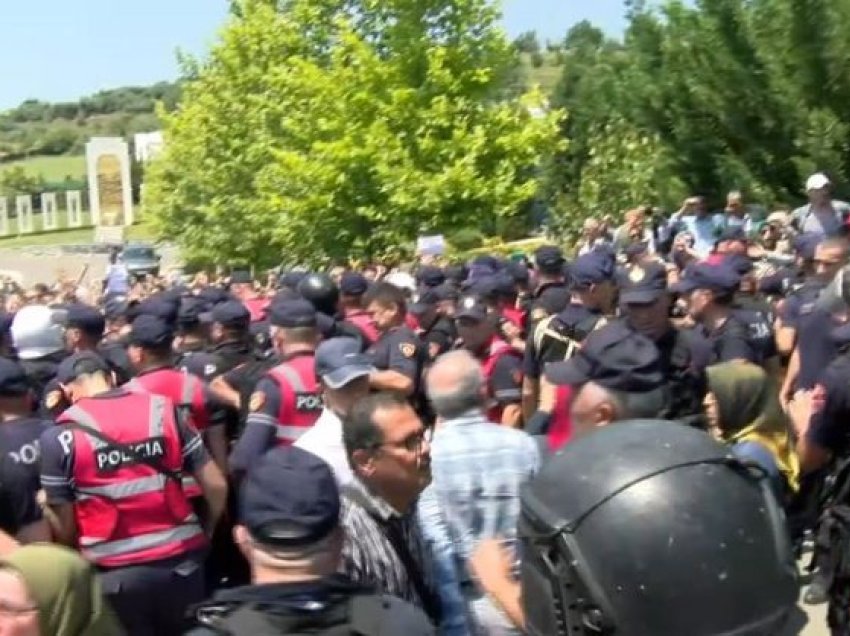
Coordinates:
<point>324,440</point>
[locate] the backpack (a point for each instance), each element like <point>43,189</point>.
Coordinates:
<point>832,539</point>
<point>563,341</point>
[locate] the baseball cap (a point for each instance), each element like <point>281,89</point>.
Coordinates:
<point>471,307</point>
<point>643,284</point>
<point>548,257</point>
<point>593,268</point>
<point>457,273</point>
<point>166,309</point>
<point>213,295</point>
<point>290,314</point>
<point>353,284</point>
<point>518,271</point>
<point>13,378</point>
<point>83,363</point>
<point>280,515</point>
<point>292,278</point>
<point>614,357</point>
<point>190,311</point>
<point>425,300</point>
<point>719,278</point>
<point>340,361</point>
<point>230,313</point>
<point>36,332</point>
<point>150,331</point>
<point>430,276</point>
<point>817,181</point>
<point>86,318</point>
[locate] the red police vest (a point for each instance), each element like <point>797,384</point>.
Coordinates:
<point>516,316</point>
<point>129,512</point>
<point>363,321</point>
<point>496,351</point>
<point>560,425</point>
<point>186,392</point>
<point>256,307</point>
<point>300,402</point>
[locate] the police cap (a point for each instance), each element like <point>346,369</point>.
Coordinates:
<point>163,308</point>
<point>643,284</point>
<point>704,531</point>
<point>291,314</point>
<point>718,278</point>
<point>150,332</point>
<point>13,378</point>
<point>82,363</point>
<point>593,268</point>
<point>806,244</point>
<point>614,357</point>
<point>471,307</point>
<point>549,258</point>
<point>231,314</point>
<point>457,273</point>
<point>339,361</point>
<point>85,318</point>
<point>430,276</point>
<point>213,295</point>
<point>353,284</point>
<point>116,307</point>
<point>425,300</point>
<point>190,311</point>
<point>278,515</point>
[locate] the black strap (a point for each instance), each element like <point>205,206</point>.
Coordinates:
<point>126,448</point>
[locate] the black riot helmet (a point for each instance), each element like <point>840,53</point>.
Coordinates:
<point>650,528</point>
<point>321,291</point>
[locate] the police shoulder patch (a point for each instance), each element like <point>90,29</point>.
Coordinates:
<point>258,399</point>
<point>636,274</point>
<point>52,399</point>
<point>407,349</point>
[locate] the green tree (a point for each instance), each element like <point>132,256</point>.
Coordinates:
<point>15,181</point>
<point>340,129</point>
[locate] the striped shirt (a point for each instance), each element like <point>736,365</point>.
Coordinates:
<point>368,555</point>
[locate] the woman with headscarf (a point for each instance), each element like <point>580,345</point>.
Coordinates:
<point>48,590</point>
<point>743,411</point>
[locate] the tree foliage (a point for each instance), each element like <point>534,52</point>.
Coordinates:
<point>343,128</point>
<point>744,94</point>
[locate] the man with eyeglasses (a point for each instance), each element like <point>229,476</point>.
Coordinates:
<point>389,453</point>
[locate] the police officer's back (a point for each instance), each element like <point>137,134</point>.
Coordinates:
<point>706,552</point>
<point>293,540</point>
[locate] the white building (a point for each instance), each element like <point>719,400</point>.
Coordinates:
<point>146,146</point>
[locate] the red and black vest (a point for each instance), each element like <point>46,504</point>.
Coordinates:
<point>130,511</point>
<point>560,425</point>
<point>300,401</point>
<point>497,349</point>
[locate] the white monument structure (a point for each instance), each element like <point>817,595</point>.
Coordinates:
<point>148,145</point>
<point>4,217</point>
<point>74,208</point>
<point>49,214</point>
<point>23,208</point>
<point>110,193</point>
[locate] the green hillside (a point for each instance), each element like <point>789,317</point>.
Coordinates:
<point>53,169</point>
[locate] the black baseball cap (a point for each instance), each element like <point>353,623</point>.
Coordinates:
<point>13,379</point>
<point>83,363</point>
<point>549,257</point>
<point>430,276</point>
<point>190,311</point>
<point>471,307</point>
<point>85,318</point>
<point>643,284</point>
<point>230,313</point>
<point>614,357</point>
<point>719,277</point>
<point>291,314</point>
<point>151,332</point>
<point>340,361</point>
<point>289,499</point>
<point>353,284</point>
<point>593,268</point>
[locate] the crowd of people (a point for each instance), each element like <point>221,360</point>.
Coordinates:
<point>641,436</point>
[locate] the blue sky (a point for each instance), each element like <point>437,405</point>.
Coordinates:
<point>57,50</point>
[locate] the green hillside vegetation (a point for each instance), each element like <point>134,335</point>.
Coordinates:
<point>52,169</point>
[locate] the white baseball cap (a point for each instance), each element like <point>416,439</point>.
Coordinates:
<point>817,181</point>
<point>37,332</point>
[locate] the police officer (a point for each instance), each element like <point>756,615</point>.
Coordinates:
<point>352,287</point>
<point>242,287</point>
<point>430,276</point>
<point>645,306</point>
<point>398,355</point>
<point>323,293</point>
<point>286,401</point>
<point>580,574</point>
<point>293,540</point>
<point>20,515</point>
<point>192,338</point>
<point>501,363</point>
<point>150,351</point>
<point>436,329</point>
<point>556,337</point>
<point>40,344</point>
<point>114,492</point>
<point>111,348</point>
<point>551,294</point>
<point>709,291</point>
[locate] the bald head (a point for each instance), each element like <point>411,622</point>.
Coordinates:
<point>455,384</point>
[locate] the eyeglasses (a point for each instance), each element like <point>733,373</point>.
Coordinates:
<point>412,443</point>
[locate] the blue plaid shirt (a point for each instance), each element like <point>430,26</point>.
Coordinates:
<point>478,469</point>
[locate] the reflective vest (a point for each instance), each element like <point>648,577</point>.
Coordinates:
<point>127,511</point>
<point>496,351</point>
<point>186,392</point>
<point>515,315</point>
<point>560,425</point>
<point>300,402</point>
<point>256,307</point>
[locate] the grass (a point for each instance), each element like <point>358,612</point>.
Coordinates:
<point>141,231</point>
<point>52,168</point>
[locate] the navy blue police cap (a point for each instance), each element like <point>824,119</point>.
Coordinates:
<point>280,515</point>
<point>339,361</point>
<point>518,271</point>
<point>457,273</point>
<point>549,257</point>
<point>82,363</point>
<point>85,318</point>
<point>190,311</point>
<point>213,295</point>
<point>472,307</point>
<point>291,279</point>
<point>806,244</point>
<point>150,332</point>
<point>426,299</point>
<point>163,308</point>
<point>643,284</point>
<point>717,277</point>
<point>291,314</point>
<point>13,378</point>
<point>430,276</point>
<point>614,357</point>
<point>593,268</point>
<point>353,284</point>
<point>231,313</point>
